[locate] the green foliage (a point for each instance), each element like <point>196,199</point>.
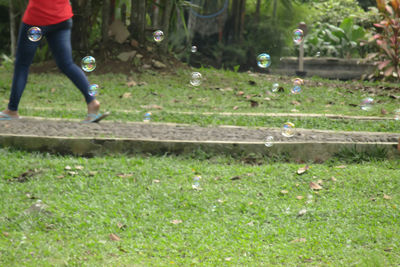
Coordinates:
<point>387,39</point>
<point>329,40</point>
<point>333,11</point>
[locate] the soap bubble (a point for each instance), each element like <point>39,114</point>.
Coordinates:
<point>88,63</point>
<point>196,182</point>
<point>367,103</point>
<point>296,89</point>
<point>298,81</point>
<point>147,117</point>
<point>196,78</point>
<point>275,87</point>
<point>298,36</point>
<point>158,36</point>
<point>34,34</point>
<point>269,141</point>
<point>264,60</point>
<point>93,89</point>
<point>397,115</point>
<point>194,49</point>
<point>288,129</point>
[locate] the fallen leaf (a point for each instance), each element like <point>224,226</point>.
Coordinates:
<point>388,249</point>
<point>131,83</point>
<point>228,259</point>
<point>24,177</point>
<point>67,168</point>
<point>315,186</point>
<point>251,203</point>
<point>303,170</point>
<point>235,107</point>
<point>125,175</point>
<point>372,199</point>
<point>267,99</point>
<point>126,95</point>
<point>121,226</point>
<point>220,201</point>
<point>156,107</point>
<point>394,96</point>
<point>236,178</point>
<point>240,93</point>
<point>253,103</point>
<point>387,197</point>
<point>72,173</point>
<point>79,167</point>
<point>341,167</point>
<point>299,240</point>
<point>143,84</point>
<point>320,182</point>
<point>93,173</point>
<point>6,234</point>
<point>295,102</point>
<point>299,197</point>
<point>60,176</point>
<point>333,179</point>
<point>294,110</point>
<point>176,221</point>
<point>156,181</point>
<point>384,111</point>
<point>301,212</point>
<point>284,192</point>
<point>53,90</point>
<point>114,237</point>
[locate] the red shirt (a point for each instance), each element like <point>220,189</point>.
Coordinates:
<point>47,12</point>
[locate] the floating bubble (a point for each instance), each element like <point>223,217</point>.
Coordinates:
<point>158,36</point>
<point>297,83</point>
<point>275,87</point>
<point>269,141</point>
<point>196,182</point>
<point>298,36</point>
<point>34,34</point>
<point>147,117</point>
<point>264,60</point>
<point>397,115</point>
<point>196,78</point>
<point>194,49</point>
<point>93,89</point>
<point>88,63</point>
<point>296,89</point>
<point>288,129</point>
<point>367,103</point>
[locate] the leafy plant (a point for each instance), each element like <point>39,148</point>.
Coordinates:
<point>329,40</point>
<point>387,38</point>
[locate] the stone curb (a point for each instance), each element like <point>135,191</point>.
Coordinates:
<point>89,147</point>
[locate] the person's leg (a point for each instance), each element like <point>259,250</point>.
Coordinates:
<point>24,56</point>
<point>59,40</point>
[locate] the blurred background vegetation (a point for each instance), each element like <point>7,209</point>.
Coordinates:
<point>228,33</point>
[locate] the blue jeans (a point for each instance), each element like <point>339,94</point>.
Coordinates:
<point>59,39</point>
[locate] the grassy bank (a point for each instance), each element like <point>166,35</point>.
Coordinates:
<point>124,211</point>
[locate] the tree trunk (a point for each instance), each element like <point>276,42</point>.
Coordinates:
<point>238,14</point>
<point>257,14</point>
<point>274,9</point>
<point>12,30</point>
<point>106,21</point>
<point>138,20</point>
<point>168,5</point>
<point>82,10</point>
<point>156,13</point>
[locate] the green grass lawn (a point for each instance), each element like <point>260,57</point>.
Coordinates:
<point>168,95</point>
<point>245,215</point>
